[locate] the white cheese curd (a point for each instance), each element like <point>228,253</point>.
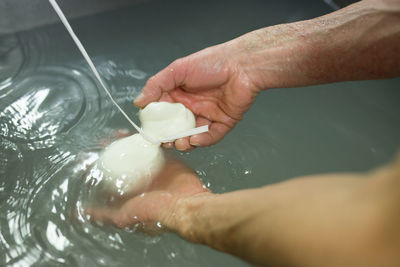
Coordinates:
<point>161,120</point>
<point>129,164</point>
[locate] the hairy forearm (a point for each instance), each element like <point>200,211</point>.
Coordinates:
<point>225,222</point>
<point>361,41</point>
<point>267,226</point>
<point>335,220</point>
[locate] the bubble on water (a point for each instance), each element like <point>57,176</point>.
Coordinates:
<point>172,255</point>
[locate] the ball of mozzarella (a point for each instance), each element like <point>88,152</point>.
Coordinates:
<point>161,120</point>
<point>129,164</point>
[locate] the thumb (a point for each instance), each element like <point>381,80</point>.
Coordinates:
<point>166,80</point>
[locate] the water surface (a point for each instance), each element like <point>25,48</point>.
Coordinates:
<point>54,121</point>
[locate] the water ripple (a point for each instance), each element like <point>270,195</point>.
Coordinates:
<point>53,122</point>
<point>11,61</point>
<point>44,105</point>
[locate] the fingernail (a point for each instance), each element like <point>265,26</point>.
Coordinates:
<point>194,142</point>
<point>139,98</point>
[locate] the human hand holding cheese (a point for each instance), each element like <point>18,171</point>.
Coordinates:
<point>212,84</point>
<point>129,165</point>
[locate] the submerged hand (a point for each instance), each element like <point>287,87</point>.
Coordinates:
<point>212,84</point>
<point>175,183</point>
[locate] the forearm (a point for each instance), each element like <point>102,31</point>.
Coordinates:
<point>226,223</point>
<point>343,220</point>
<point>361,41</point>
<point>266,226</point>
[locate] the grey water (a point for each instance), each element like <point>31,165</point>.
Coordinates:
<point>55,120</point>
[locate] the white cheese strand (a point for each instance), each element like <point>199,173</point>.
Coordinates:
<point>78,43</point>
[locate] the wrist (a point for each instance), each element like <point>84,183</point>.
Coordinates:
<point>275,57</point>
<point>222,221</point>
<point>187,210</point>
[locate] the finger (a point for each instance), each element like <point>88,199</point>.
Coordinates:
<point>183,144</point>
<point>116,217</point>
<point>103,215</point>
<point>168,145</point>
<point>215,133</point>
<point>166,80</point>
<point>201,121</point>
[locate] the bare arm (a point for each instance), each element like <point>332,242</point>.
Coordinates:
<point>220,83</point>
<point>322,220</point>
<point>359,42</point>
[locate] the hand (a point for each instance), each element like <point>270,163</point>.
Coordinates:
<point>176,182</point>
<point>212,84</point>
